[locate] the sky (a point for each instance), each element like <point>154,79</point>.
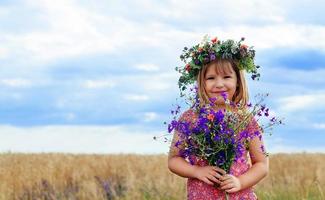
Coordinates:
<point>99,76</point>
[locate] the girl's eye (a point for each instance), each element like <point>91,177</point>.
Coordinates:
<point>227,76</point>
<point>210,78</point>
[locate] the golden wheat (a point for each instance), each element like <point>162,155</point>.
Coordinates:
<point>126,176</point>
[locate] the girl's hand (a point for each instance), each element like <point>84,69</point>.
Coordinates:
<point>209,174</point>
<point>230,183</point>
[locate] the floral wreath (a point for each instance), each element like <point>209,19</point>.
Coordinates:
<point>209,50</point>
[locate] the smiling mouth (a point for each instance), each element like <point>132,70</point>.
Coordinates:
<point>219,92</point>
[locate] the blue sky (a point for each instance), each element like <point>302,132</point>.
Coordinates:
<point>98,76</point>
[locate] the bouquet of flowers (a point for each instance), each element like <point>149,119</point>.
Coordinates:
<point>221,136</point>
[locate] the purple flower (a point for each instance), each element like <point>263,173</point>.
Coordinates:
<point>206,60</point>
<point>178,143</point>
<point>192,162</point>
<point>212,101</point>
<point>203,111</point>
<point>216,137</point>
<point>184,127</point>
<point>177,109</point>
<point>243,135</point>
<point>170,128</point>
<point>212,56</point>
<point>259,113</point>
<point>219,116</point>
<point>172,125</point>
<point>266,112</point>
<point>257,133</point>
<point>224,95</point>
<point>197,62</point>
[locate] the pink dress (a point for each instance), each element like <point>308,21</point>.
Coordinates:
<point>199,190</point>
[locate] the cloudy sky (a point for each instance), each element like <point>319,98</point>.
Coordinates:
<point>98,76</point>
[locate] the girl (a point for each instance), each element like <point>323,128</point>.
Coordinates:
<point>215,77</point>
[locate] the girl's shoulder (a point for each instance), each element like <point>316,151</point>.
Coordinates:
<point>189,115</point>
<point>248,119</point>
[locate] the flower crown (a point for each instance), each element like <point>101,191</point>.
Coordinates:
<point>210,50</point>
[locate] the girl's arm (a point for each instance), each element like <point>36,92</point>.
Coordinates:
<point>176,163</point>
<point>260,164</point>
<point>181,167</point>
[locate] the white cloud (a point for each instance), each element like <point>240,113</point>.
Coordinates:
<point>276,35</point>
<point>154,86</point>
<point>266,11</point>
<point>295,149</point>
<point>319,125</point>
<point>277,144</point>
<point>16,83</point>
<point>158,81</point>
<point>79,139</point>
<point>302,102</point>
<point>74,30</point>
<point>3,11</point>
<point>70,116</point>
<point>147,67</point>
<point>103,139</point>
<point>150,116</point>
<point>295,76</point>
<point>94,84</point>
<point>136,97</point>
<point>3,52</point>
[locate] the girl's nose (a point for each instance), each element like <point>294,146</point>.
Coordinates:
<point>218,83</point>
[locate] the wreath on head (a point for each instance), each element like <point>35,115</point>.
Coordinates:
<point>211,49</point>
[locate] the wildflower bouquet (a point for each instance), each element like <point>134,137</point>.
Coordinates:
<point>221,136</point>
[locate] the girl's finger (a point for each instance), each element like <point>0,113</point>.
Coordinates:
<point>223,172</point>
<point>216,174</point>
<point>214,179</point>
<point>207,181</point>
<point>227,187</point>
<point>225,182</point>
<point>225,177</point>
<point>232,190</point>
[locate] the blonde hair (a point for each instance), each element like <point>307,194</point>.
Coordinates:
<point>223,66</point>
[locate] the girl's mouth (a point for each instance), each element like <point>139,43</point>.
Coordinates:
<point>220,92</point>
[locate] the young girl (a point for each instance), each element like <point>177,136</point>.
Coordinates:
<point>215,77</point>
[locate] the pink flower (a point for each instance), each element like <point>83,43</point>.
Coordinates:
<point>188,67</point>
<point>243,46</point>
<point>214,40</point>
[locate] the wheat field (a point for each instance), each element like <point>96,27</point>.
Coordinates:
<point>126,176</point>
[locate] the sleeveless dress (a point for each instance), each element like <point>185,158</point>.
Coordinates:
<point>199,190</point>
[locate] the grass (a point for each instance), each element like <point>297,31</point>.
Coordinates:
<point>123,177</point>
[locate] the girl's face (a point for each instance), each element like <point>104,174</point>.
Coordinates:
<point>216,83</point>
